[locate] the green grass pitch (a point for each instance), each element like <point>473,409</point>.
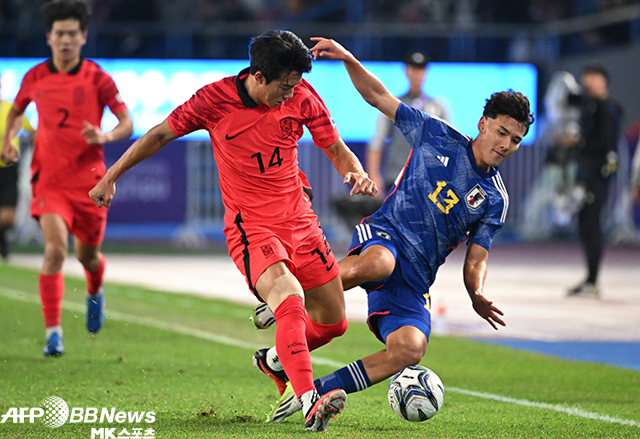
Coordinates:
<point>188,359</point>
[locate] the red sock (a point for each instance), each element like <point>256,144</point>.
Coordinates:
<point>319,335</point>
<point>95,277</point>
<point>51,292</point>
<point>291,344</point>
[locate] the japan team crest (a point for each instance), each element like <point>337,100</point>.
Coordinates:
<point>475,197</point>
<point>286,126</point>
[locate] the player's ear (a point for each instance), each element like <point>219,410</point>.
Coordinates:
<point>260,78</point>
<point>482,124</point>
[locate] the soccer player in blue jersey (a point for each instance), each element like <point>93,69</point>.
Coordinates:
<point>449,192</point>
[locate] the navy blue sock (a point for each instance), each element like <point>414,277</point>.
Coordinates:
<point>351,378</point>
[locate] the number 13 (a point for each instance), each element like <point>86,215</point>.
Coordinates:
<point>450,202</point>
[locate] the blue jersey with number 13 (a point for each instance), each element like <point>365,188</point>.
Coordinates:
<point>441,197</point>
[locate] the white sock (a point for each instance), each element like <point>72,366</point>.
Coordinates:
<point>273,361</point>
<point>308,400</point>
<point>52,329</point>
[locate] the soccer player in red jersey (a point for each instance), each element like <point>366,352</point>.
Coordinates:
<point>255,120</point>
<point>70,94</point>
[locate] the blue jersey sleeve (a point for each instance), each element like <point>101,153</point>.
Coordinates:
<point>484,231</point>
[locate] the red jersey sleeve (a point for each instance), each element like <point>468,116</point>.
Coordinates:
<point>198,113</point>
<point>23,98</point>
<point>109,94</point>
<point>318,119</point>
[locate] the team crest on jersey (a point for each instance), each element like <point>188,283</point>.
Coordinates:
<point>286,126</point>
<point>267,250</point>
<point>384,235</point>
<point>475,197</point>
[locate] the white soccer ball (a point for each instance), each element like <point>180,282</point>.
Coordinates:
<point>416,393</point>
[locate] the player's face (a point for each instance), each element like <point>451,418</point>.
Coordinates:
<point>66,39</point>
<point>498,139</point>
<point>279,90</point>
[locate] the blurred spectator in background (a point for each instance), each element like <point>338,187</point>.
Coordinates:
<point>597,160</point>
<point>9,181</point>
<point>554,199</point>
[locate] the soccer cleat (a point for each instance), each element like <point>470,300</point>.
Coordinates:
<point>278,376</point>
<point>95,311</point>
<point>585,289</point>
<point>325,409</point>
<point>54,346</point>
<point>262,316</point>
<point>285,406</point>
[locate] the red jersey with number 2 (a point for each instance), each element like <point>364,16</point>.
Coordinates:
<point>255,146</point>
<point>62,157</point>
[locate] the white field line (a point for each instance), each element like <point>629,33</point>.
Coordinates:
<point>229,341</point>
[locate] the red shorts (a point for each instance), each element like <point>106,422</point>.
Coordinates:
<point>84,220</point>
<point>299,243</point>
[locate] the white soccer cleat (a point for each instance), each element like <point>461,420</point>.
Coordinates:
<point>262,316</point>
<point>285,406</point>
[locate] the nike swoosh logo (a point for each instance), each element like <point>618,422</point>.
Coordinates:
<point>329,267</point>
<point>296,352</point>
<point>231,137</point>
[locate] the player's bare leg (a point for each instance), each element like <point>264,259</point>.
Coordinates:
<point>325,304</point>
<point>404,347</point>
<point>51,282</point>
<point>373,264</point>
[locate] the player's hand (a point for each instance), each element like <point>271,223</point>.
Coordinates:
<point>361,183</point>
<point>92,134</point>
<point>102,194</point>
<point>329,49</point>
<point>487,310</point>
<point>8,154</point>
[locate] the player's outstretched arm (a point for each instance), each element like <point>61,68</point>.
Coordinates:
<point>8,152</point>
<point>146,146</point>
<point>475,272</point>
<point>122,130</point>
<point>368,85</point>
<point>348,165</point>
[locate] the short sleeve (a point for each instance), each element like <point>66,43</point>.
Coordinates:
<point>318,119</point>
<point>192,115</point>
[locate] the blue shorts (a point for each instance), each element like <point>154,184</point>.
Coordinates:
<point>403,298</point>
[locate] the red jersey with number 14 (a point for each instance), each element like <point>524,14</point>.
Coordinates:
<point>255,146</point>
<point>62,158</point>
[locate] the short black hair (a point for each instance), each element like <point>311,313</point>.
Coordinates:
<point>278,52</point>
<point>596,69</point>
<point>510,103</point>
<point>57,10</point>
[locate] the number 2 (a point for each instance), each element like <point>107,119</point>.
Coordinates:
<point>65,116</point>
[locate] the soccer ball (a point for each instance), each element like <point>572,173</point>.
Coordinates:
<point>416,393</point>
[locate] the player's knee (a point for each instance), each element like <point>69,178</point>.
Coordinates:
<point>376,264</point>
<point>55,253</point>
<point>283,287</point>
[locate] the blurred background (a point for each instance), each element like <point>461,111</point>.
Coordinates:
<point>160,51</point>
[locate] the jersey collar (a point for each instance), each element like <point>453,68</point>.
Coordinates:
<point>247,101</point>
<point>73,71</point>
